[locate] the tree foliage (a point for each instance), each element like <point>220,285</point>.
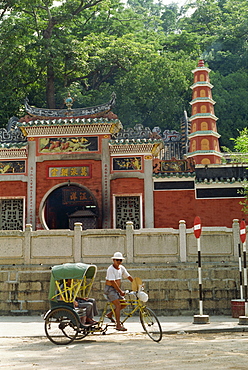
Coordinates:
<point>241,142</point>
<point>141,49</point>
<point>241,155</point>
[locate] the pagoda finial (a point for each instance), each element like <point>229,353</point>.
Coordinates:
<point>69,101</point>
<point>201,63</point>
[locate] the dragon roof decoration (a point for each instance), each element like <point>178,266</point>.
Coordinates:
<point>69,112</point>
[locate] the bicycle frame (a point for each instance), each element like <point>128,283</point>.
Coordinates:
<point>138,305</point>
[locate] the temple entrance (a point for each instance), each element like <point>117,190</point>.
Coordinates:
<point>69,204</point>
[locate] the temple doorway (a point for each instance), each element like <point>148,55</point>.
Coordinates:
<point>69,204</point>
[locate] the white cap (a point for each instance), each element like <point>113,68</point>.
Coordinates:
<point>118,256</point>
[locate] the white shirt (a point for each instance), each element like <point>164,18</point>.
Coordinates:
<point>114,274</point>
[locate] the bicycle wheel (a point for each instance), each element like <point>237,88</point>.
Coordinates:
<point>61,326</point>
<point>151,324</point>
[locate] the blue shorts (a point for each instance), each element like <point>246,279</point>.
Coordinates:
<point>112,293</point>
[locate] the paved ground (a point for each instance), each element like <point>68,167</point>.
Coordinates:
<point>221,344</point>
<point>33,326</point>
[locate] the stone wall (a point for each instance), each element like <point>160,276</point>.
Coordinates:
<point>172,287</point>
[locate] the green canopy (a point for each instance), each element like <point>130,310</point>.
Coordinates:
<point>71,271</point>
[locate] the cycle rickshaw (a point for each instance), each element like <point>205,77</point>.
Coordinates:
<point>63,324</point>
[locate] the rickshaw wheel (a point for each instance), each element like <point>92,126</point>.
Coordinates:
<point>61,326</point>
<point>82,334</point>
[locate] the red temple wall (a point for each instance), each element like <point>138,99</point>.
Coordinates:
<point>13,189</point>
<point>172,206</point>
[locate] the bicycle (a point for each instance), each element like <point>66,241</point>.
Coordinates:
<point>133,303</point>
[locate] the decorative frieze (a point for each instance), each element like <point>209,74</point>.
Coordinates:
<point>131,149</point>
<point>12,167</point>
<point>173,166</point>
<point>13,153</point>
<point>80,129</point>
<point>137,132</point>
<point>127,164</point>
<point>68,144</point>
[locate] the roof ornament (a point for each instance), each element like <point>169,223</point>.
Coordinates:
<point>69,101</point>
<point>72,112</point>
<point>12,135</point>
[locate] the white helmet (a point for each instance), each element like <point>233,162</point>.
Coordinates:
<point>142,296</point>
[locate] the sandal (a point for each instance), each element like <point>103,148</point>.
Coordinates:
<point>110,318</point>
<point>121,329</point>
<point>91,322</point>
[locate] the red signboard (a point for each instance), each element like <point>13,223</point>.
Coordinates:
<point>242,231</point>
<point>197,227</point>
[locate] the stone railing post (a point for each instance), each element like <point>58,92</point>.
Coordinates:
<point>236,238</point>
<point>129,241</point>
<point>77,242</point>
<point>27,244</point>
<point>182,241</point>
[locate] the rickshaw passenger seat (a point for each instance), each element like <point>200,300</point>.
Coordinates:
<point>54,304</point>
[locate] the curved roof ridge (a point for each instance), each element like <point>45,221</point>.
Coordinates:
<point>77,112</point>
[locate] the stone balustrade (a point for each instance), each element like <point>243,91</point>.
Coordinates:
<point>159,245</point>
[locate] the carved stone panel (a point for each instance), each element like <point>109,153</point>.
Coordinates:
<point>11,214</point>
<point>127,209</point>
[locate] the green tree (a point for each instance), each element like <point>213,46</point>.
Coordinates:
<point>241,146</point>
<point>92,49</point>
<point>222,27</point>
<point>141,49</point>
<point>241,142</point>
<point>79,45</point>
<point>240,155</point>
<point>156,90</point>
<point>38,45</point>
<point>231,94</point>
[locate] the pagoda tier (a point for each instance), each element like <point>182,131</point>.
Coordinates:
<point>204,138</point>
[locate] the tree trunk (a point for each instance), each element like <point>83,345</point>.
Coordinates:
<point>50,90</point>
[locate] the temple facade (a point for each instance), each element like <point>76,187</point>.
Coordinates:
<point>62,166</point>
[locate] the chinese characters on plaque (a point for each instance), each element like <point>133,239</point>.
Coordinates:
<point>63,172</point>
<point>75,196</point>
